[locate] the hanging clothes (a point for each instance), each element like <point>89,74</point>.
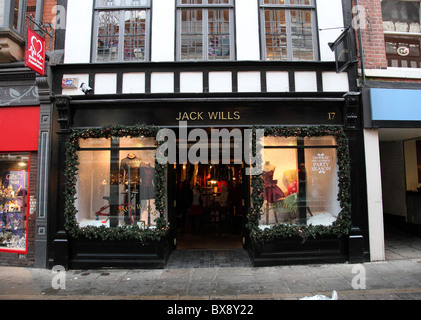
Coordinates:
<point>147,181</point>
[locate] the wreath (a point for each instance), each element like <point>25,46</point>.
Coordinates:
<point>132,232</point>
<point>339,227</point>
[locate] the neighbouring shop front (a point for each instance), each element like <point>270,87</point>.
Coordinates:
<point>139,178</point>
<point>18,163</point>
<point>396,119</point>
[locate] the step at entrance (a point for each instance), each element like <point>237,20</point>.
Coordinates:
<point>208,259</point>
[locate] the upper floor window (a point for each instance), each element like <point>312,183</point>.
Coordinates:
<point>402,31</point>
<point>12,15</point>
<point>205,29</point>
<point>288,29</point>
<point>121,31</point>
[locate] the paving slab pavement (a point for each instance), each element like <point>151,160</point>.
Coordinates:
<point>396,278</point>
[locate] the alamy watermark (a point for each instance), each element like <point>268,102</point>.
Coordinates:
<point>199,152</point>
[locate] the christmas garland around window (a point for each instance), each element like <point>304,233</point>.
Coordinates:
<point>131,232</point>
<point>339,227</point>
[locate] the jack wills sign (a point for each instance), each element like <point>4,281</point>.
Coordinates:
<point>209,115</point>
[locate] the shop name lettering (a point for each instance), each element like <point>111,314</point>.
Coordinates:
<point>211,115</point>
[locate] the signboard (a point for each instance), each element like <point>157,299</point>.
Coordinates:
<point>35,52</point>
<point>344,50</point>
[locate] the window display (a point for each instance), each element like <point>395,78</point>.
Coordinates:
<point>13,201</point>
<point>300,181</point>
<point>116,182</point>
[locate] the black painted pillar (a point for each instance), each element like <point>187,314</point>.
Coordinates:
<point>61,240</point>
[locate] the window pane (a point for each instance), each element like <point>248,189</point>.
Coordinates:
<point>191,1</point>
<point>109,3</point>
<point>95,143</point>
<point>300,181</point>
<point>191,35</point>
<point>302,35</point>
<point>93,188</point>
<point>134,35</point>
<point>403,51</point>
<point>13,196</point>
<point>116,187</point>
<point>108,34</point>
<point>280,186</point>
<point>276,35</point>
<point>2,12</point>
<point>137,142</point>
<point>218,34</point>
<point>401,16</point>
<point>308,2</point>
<point>274,1</point>
<point>320,141</point>
<point>321,186</point>
<point>137,178</point>
<point>218,1</point>
<point>16,14</point>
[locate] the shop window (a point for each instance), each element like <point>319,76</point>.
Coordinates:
<point>205,30</point>
<point>401,24</point>
<point>300,181</point>
<point>122,30</point>
<point>303,188</point>
<point>14,177</point>
<point>288,28</point>
<point>116,182</point>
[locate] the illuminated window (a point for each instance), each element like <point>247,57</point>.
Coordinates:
<point>14,177</point>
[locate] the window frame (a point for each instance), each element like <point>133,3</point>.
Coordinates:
<point>205,7</point>
<point>288,8</point>
<point>122,9</point>
<point>400,37</point>
<point>26,202</point>
<point>131,232</point>
<point>8,16</point>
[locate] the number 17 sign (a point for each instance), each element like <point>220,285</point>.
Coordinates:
<point>35,52</point>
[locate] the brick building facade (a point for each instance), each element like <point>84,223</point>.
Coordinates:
<point>390,84</point>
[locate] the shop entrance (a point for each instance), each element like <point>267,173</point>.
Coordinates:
<point>208,208</point>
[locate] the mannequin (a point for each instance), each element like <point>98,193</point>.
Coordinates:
<point>268,166</point>
<point>272,192</point>
<point>130,173</point>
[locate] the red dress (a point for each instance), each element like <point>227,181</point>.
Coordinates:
<point>272,192</point>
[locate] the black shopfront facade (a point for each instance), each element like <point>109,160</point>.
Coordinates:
<point>305,205</point>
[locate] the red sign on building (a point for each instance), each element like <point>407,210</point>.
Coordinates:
<point>35,52</point>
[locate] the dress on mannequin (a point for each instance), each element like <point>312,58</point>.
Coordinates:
<point>272,192</point>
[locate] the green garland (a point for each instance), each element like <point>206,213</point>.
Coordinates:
<point>71,171</point>
<point>338,228</point>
